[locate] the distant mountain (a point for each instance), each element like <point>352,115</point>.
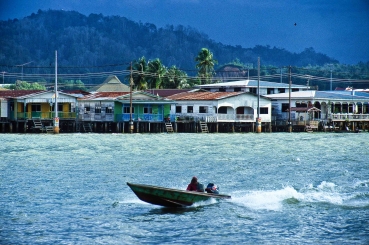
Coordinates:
<point>97,40</point>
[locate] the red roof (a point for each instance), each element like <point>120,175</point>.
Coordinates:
<point>76,91</point>
<point>18,93</point>
<point>166,92</point>
<point>203,95</point>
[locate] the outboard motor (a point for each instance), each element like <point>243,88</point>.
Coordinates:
<point>212,188</point>
<point>200,187</point>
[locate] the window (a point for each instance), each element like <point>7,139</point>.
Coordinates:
<point>109,109</point>
<point>126,109</point>
<point>285,107</point>
<point>35,107</point>
<point>295,90</point>
<point>98,109</point>
<point>147,110</point>
<point>87,109</point>
<point>222,110</point>
<point>281,90</point>
<point>178,109</point>
<point>203,109</point>
<point>190,109</point>
<point>60,107</point>
<point>264,110</point>
<point>237,89</point>
<point>222,89</point>
<point>270,90</point>
<point>253,90</point>
<point>303,104</point>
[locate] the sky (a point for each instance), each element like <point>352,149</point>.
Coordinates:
<point>338,28</point>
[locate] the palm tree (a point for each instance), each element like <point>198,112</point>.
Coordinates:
<point>139,68</point>
<point>139,79</point>
<point>156,71</point>
<point>205,65</point>
<point>175,78</point>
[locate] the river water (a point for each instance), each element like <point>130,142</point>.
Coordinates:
<point>286,188</point>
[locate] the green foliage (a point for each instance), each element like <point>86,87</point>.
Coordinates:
<point>139,67</point>
<point>87,44</point>
<point>72,85</point>
<point>95,40</point>
<point>175,78</point>
<point>22,85</point>
<point>205,65</point>
<point>154,74</point>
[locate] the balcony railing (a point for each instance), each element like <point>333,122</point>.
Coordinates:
<point>125,117</point>
<point>215,118</point>
<point>97,117</point>
<point>344,116</point>
<point>45,115</point>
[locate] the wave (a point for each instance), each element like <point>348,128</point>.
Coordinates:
<point>325,192</point>
<point>267,200</point>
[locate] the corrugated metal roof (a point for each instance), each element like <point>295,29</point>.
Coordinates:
<point>111,84</point>
<point>19,93</point>
<point>250,83</point>
<point>312,94</point>
<point>103,95</point>
<point>166,92</point>
<point>203,95</point>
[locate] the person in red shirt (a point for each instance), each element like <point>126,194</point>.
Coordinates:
<point>194,185</point>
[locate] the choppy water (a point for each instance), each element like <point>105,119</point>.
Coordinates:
<point>286,188</point>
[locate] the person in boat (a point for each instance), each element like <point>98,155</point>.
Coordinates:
<point>212,189</point>
<point>195,185</point>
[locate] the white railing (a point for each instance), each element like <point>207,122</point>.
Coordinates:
<point>348,116</point>
<point>216,118</point>
<point>230,117</point>
<point>245,117</point>
<point>226,117</point>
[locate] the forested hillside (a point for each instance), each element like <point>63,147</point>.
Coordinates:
<point>97,40</point>
<point>97,43</point>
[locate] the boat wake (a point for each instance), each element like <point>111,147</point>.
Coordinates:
<point>265,200</point>
<point>357,196</point>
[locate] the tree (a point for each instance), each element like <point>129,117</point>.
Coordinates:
<point>21,85</point>
<point>156,71</point>
<point>73,84</point>
<point>175,78</point>
<point>140,67</point>
<point>205,65</point>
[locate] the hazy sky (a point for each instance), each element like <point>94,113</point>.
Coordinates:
<point>338,28</point>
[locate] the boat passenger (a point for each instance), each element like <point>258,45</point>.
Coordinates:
<point>195,186</point>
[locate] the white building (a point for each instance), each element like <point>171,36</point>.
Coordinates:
<point>220,106</point>
<point>252,86</point>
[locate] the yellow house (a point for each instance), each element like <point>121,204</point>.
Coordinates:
<point>25,105</point>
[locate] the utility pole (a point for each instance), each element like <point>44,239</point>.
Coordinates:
<point>331,77</point>
<point>130,101</point>
<point>281,75</point>
<point>289,102</point>
<point>258,119</point>
<point>56,118</point>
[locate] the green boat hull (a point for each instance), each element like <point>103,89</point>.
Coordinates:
<point>171,197</point>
